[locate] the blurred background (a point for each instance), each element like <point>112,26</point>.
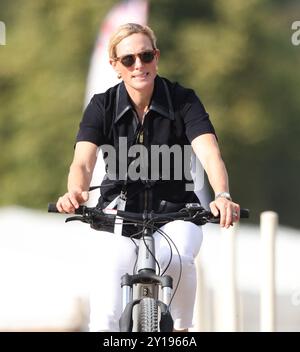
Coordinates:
<point>238,56</point>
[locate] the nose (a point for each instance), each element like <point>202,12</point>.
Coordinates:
<point>138,62</point>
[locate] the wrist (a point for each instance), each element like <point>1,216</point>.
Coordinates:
<point>223,195</point>
<point>74,190</point>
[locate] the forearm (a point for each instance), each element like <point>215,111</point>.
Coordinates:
<point>79,178</point>
<point>208,152</point>
<point>217,174</point>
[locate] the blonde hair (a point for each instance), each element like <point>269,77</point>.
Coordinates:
<point>125,30</point>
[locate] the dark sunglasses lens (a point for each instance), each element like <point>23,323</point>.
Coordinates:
<point>147,56</point>
<point>128,60</point>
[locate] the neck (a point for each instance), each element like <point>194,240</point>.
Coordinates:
<point>140,99</point>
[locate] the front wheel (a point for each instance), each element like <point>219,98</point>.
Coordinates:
<point>148,315</point>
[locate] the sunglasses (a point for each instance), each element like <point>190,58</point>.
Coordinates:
<point>128,60</point>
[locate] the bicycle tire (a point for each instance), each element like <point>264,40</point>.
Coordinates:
<point>148,315</point>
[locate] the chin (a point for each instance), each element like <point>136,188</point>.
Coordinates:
<point>143,84</point>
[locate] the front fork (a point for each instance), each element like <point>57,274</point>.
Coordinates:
<point>131,299</point>
<point>146,290</point>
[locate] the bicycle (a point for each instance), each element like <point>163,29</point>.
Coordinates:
<point>151,292</point>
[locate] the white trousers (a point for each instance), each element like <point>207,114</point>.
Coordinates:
<point>112,256</point>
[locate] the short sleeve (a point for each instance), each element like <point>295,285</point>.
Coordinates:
<point>196,119</point>
<point>91,125</point>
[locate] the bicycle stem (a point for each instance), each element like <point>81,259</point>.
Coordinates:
<point>146,253</point>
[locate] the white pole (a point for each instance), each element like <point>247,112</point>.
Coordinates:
<point>200,319</point>
<point>2,33</point>
<point>226,296</point>
<point>268,228</point>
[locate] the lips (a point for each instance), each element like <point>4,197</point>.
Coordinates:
<point>141,75</point>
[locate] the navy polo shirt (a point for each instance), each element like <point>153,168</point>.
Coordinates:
<point>175,117</point>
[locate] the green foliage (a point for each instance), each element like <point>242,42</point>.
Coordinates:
<point>43,71</point>
<point>237,55</point>
<point>239,58</point>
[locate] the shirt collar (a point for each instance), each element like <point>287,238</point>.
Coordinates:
<point>160,102</point>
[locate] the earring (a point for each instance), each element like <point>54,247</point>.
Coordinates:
<point>119,76</point>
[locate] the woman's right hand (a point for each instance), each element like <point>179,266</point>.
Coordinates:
<point>71,201</point>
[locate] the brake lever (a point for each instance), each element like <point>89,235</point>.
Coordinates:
<point>202,216</point>
<point>197,218</point>
<point>77,218</point>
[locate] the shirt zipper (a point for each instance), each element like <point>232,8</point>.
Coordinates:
<point>141,141</point>
<point>141,137</point>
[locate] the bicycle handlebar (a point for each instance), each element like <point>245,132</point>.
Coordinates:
<point>193,212</point>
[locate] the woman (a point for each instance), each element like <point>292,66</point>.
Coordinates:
<point>146,110</point>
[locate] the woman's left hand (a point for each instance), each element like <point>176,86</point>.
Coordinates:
<point>228,210</point>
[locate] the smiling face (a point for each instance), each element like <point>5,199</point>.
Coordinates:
<point>140,76</point>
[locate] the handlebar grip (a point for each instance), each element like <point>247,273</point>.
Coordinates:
<point>244,213</point>
<point>52,209</point>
